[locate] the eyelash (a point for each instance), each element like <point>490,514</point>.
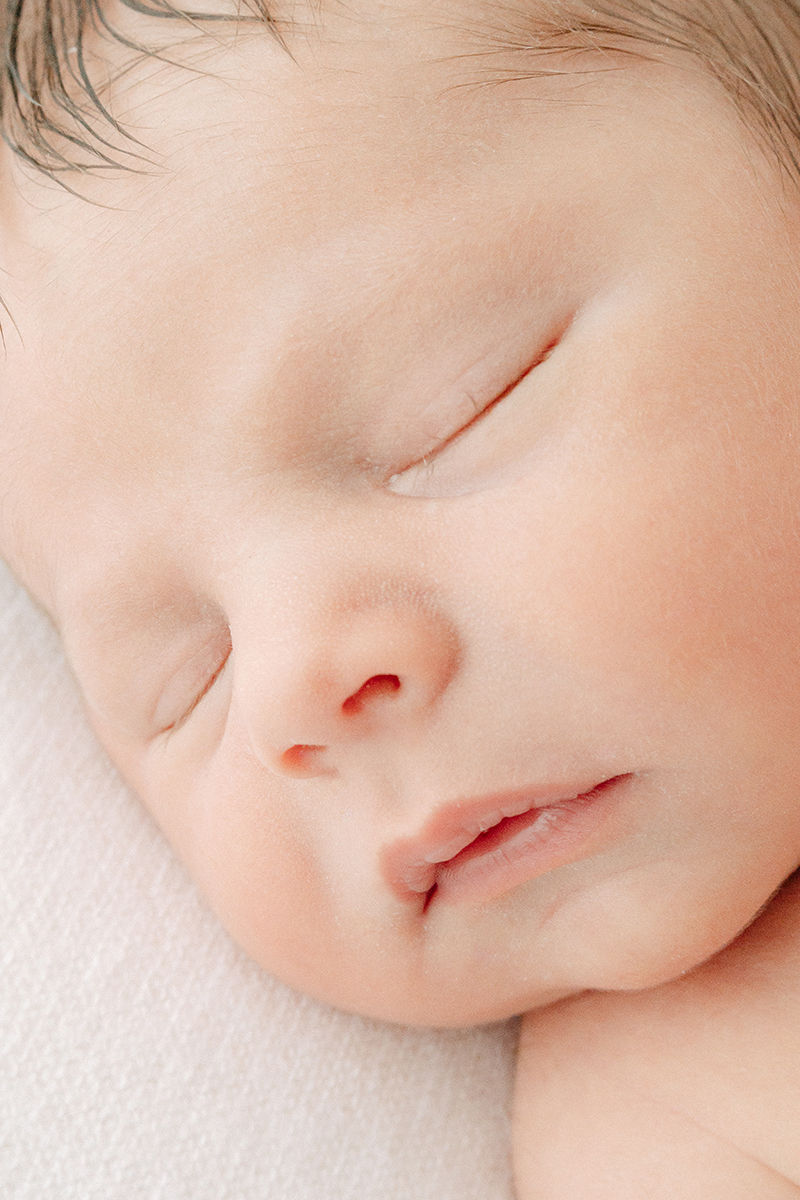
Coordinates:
<point>428,458</point>
<point>206,688</point>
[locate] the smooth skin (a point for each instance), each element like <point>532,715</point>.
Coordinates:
<point>489,390</point>
<point>690,1091</point>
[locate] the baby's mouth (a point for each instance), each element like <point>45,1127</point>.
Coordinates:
<point>478,849</point>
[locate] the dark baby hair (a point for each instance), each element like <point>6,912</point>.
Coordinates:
<point>53,116</point>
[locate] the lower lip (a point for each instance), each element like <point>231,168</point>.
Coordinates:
<point>522,847</point>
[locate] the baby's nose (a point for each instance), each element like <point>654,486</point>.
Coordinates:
<point>370,673</point>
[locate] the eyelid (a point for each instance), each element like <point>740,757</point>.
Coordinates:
<point>425,459</point>
<point>209,679</point>
<point>200,696</point>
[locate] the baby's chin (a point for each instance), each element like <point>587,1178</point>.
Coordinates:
<point>428,994</point>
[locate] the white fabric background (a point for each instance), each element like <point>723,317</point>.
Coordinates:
<point>143,1056</point>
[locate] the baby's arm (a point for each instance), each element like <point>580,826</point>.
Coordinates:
<point>690,1091</point>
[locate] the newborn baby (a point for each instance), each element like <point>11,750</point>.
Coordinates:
<point>401,425</point>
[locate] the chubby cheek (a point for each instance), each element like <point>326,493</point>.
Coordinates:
<point>654,535</point>
<point>271,868</point>
<point>244,848</point>
<point>617,562</point>
<point>257,872</point>
<point>255,863</point>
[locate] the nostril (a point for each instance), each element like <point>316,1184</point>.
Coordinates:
<point>375,687</point>
<point>304,762</point>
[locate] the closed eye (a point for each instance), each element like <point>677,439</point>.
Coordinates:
<point>207,686</point>
<point>191,684</point>
<point>406,481</point>
<point>487,408</point>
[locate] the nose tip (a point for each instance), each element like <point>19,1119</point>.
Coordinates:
<point>374,676</point>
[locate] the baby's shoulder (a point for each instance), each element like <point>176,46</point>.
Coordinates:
<point>690,1089</point>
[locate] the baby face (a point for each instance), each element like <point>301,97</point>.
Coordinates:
<point>411,468</point>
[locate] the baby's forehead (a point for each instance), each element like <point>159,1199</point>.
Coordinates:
<point>72,100</point>
<point>285,203</point>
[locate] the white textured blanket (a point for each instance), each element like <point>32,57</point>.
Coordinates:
<point>143,1056</point>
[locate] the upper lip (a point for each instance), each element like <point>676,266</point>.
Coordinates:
<point>410,864</point>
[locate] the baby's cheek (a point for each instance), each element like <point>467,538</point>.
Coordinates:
<point>246,846</point>
<point>228,822</point>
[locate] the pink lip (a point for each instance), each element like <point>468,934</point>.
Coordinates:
<point>475,850</point>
